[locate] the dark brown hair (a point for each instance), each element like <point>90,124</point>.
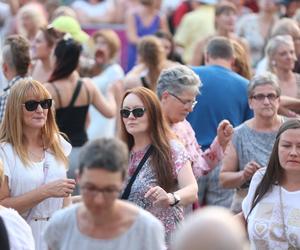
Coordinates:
<point>274,171</point>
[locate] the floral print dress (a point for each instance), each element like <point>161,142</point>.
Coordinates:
<point>146,179</point>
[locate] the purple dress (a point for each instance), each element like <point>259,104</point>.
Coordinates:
<point>141,31</point>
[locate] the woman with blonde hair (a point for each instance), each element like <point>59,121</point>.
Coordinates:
<point>34,157</point>
<point>161,177</point>
<point>152,60</point>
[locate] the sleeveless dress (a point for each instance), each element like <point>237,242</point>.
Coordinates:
<point>71,121</point>
<point>141,31</point>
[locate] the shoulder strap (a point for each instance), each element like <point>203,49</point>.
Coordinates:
<point>76,93</point>
<point>127,190</point>
<point>87,93</point>
<point>57,93</point>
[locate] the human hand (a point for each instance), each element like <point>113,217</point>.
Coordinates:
<point>249,170</point>
<point>224,133</point>
<point>59,188</point>
<point>159,196</point>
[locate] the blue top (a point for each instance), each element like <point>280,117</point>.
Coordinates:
<point>223,96</point>
<point>141,31</point>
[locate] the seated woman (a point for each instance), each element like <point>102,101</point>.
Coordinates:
<point>162,181</point>
<point>102,221</point>
<point>272,203</point>
<point>34,157</point>
<point>253,140</point>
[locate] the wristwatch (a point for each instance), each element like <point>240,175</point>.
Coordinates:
<point>176,199</point>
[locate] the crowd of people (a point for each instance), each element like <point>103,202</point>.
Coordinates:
<point>200,121</point>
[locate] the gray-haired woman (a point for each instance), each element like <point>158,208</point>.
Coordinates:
<point>253,140</point>
<point>177,89</point>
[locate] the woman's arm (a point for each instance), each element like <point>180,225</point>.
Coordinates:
<point>105,105</point>
<point>230,177</point>
<point>131,32</point>
<point>26,201</point>
<point>187,191</point>
<point>188,187</point>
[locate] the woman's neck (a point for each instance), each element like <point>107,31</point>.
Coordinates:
<point>33,137</point>
<point>291,181</point>
<point>266,16</point>
<point>284,75</point>
<point>140,142</point>
<point>102,218</point>
<point>266,124</point>
<point>46,64</point>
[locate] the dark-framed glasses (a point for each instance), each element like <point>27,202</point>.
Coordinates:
<point>136,112</point>
<point>262,97</point>
<point>191,103</point>
<point>108,193</point>
<point>32,105</point>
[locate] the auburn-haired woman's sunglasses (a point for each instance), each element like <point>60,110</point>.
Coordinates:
<point>137,112</point>
<point>32,105</point>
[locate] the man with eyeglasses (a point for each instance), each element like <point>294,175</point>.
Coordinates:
<point>102,221</point>
<point>224,96</point>
<point>15,64</point>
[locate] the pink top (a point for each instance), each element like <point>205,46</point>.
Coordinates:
<point>202,162</point>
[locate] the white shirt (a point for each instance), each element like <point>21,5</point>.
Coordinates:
<point>19,232</point>
<point>265,223</point>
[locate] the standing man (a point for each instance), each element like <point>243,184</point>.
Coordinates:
<point>16,61</point>
<point>224,96</point>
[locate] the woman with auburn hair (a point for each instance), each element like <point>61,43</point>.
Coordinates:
<point>241,64</point>
<point>164,182</point>
<point>34,157</point>
<point>152,59</point>
<point>272,203</point>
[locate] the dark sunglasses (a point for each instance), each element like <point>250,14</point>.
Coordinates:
<point>32,105</point>
<point>137,112</point>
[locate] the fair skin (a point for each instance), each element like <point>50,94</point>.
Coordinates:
<point>147,14</point>
<point>289,158</point>
<point>225,23</point>
<point>284,59</point>
<point>42,54</point>
<point>138,128</point>
<point>33,121</point>
<point>106,106</point>
<point>175,111</point>
<point>265,120</point>
<point>102,215</point>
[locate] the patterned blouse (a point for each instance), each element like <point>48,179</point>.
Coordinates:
<point>202,162</point>
<point>146,179</point>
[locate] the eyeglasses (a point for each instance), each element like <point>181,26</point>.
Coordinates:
<point>108,193</point>
<point>262,97</point>
<point>192,103</point>
<point>32,105</point>
<point>137,112</point>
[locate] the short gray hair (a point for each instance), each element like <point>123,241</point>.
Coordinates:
<point>266,78</point>
<point>177,79</point>
<point>109,154</point>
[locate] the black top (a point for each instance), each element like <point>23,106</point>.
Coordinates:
<point>71,119</point>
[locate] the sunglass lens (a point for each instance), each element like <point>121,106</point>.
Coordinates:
<point>46,104</point>
<point>139,112</point>
<point>31,105</point>
<point>125,113</point>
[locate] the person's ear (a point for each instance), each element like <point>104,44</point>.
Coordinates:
<point>164,96</point>
<point>206,58</point>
